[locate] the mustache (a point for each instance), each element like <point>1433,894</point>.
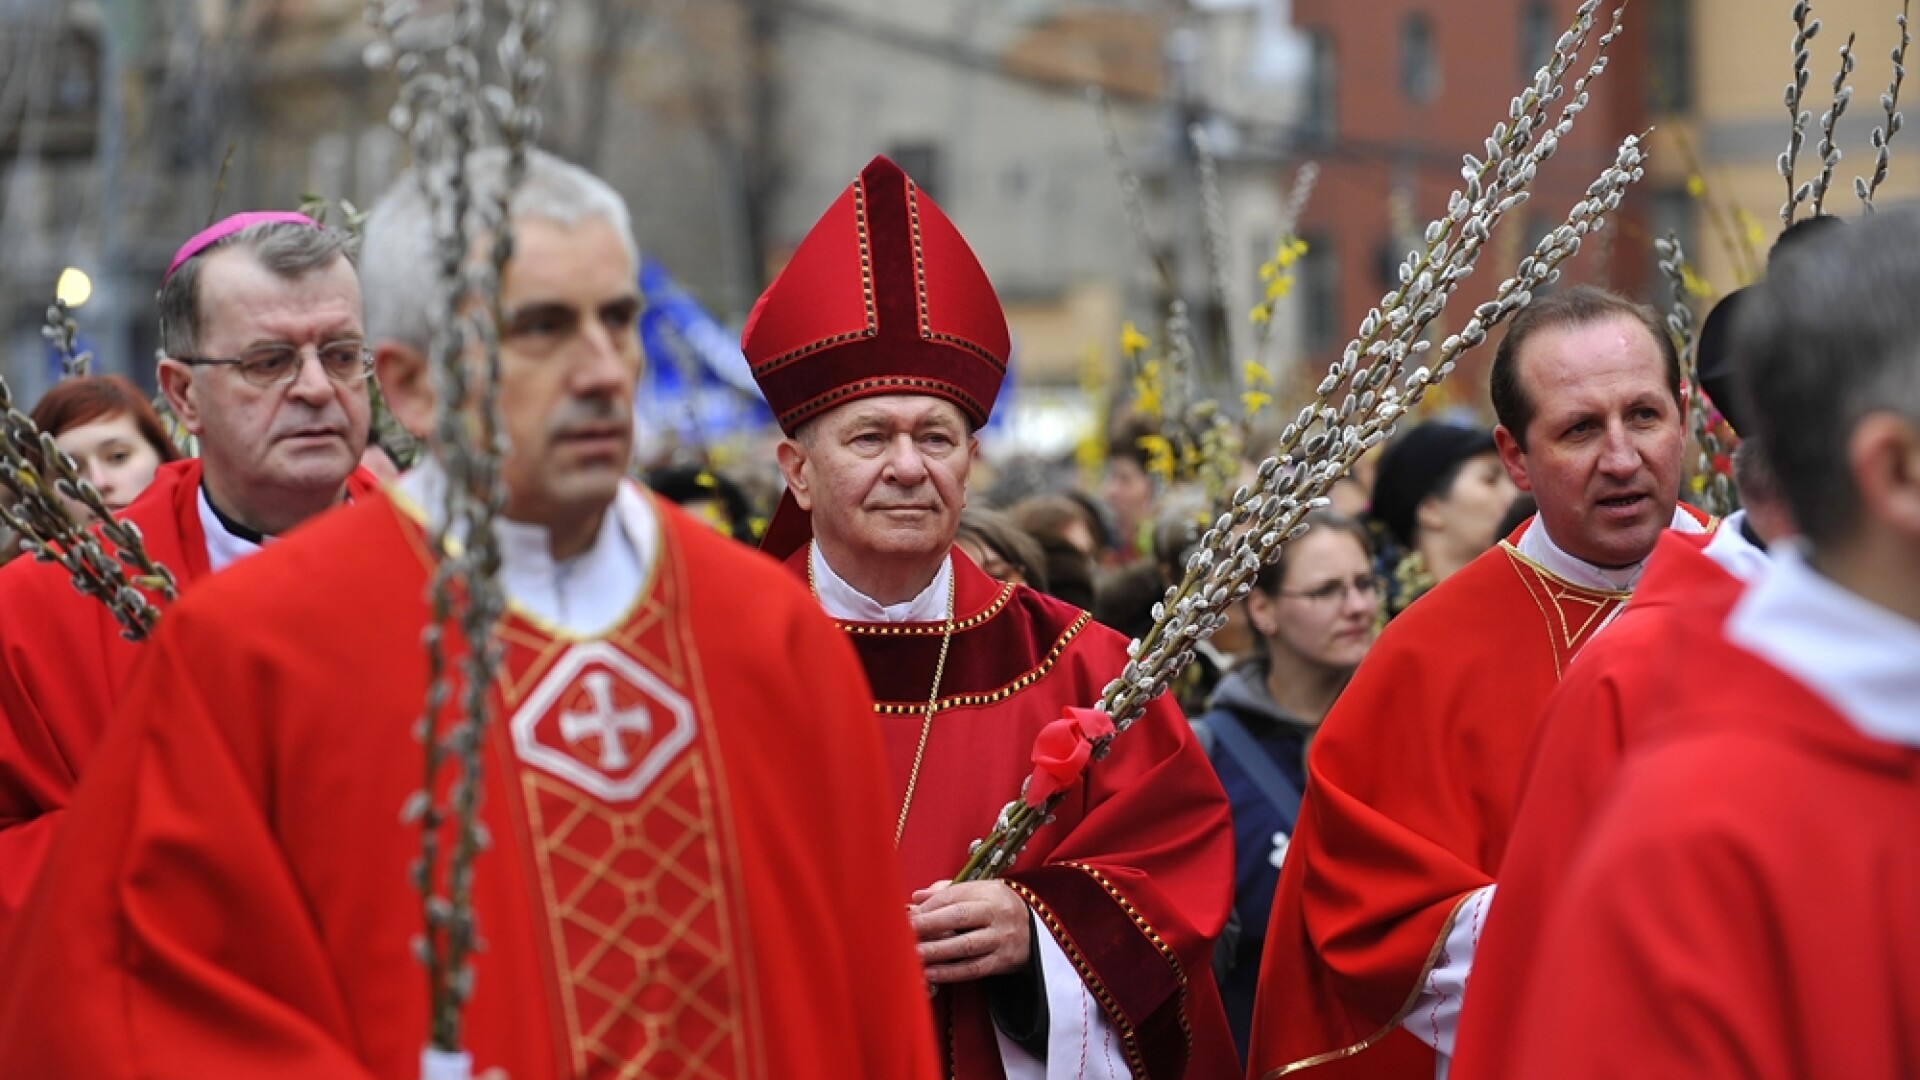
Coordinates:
<point>576,414</point>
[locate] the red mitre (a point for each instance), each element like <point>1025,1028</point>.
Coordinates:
<point>882,297</point>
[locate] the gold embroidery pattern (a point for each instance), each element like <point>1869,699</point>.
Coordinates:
<point>906,384</point>
<point>637,916</point>
<point>648,945</point>
<point>872,328</point>
<point>1548,590</point>
<point>992,696</point>
<point>927,332</point>
<point>1129,1039</point>
<point>1413,998</point>
<point>1166,951</point>
<point>926,629</point>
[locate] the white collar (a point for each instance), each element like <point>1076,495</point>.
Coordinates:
<point>1862,658</point>
<point>586,595</point>
<point>1536,545</point>
<point>843,601</point>
<point>223,548</point>
<point>1735,553</point>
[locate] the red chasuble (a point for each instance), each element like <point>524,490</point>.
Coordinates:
<point>691,874</point>
<point>1411,785</point>
<point>1744,903</point>
<point>1135,875</point>
<point>63,660</point>
<point>1622,687</point>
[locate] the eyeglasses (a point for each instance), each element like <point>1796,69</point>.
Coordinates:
<point>347,363</point>
<point>1365,586</point>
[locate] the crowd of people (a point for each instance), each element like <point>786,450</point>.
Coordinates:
<point>1509,710</point>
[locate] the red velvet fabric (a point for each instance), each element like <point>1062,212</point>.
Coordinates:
<point>883,296</point>
<point>1134,875</point>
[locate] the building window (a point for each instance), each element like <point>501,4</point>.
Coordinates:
<point>920,160</point>
<point>1537,35</point>
<point>1670,55</point>
<point>1322,85</point>
<point>1319,287</point>
<point>1419,68</point>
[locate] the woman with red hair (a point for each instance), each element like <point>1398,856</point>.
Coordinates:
<point>107,427</point>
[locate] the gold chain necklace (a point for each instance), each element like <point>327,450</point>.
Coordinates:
<point>926,722</point>
<point>933,697</point>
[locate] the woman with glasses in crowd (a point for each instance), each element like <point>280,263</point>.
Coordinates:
<point>1314,613</point>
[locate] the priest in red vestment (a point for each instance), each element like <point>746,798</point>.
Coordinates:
<point>280,441</point>
<point>1613,699</point>
<point>1742,901</point>
<point>1413,775</point>
<point>881,348</point>
<point>689,872</point>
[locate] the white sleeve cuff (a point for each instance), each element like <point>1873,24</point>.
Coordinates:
<point>1082,1043</point>
<point>1435,1017</point>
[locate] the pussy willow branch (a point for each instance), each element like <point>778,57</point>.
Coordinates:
<point>1829,120</point>
<point>49,532</point>
<point>1131,200</point>
<point>446,114</point>
<point>1295,205</point>
<point>518,122</point>
<point>1804,32</point>
<point>1882,137</point>
<point>63,333</point>
<point>1213,218</point>
<point>1292,209</point>
<point>1373,389</point>
<point>1716,493</point>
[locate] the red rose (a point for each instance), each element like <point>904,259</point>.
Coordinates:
<point>1092,723</point>
<point>1061,752</point>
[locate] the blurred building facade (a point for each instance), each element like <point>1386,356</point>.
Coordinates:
<point>1737,124</point>
<point>731,126</point>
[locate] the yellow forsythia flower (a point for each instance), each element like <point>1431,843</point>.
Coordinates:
<point>1695,285</point>
<point>1261,314</point>
<point>1255,400</point>
<point>1159,455</point>
<point>1253,374</point>
<point>1132,341</point>
<point>1696,185</point>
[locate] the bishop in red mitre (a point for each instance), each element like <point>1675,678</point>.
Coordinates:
<point>881,348</point>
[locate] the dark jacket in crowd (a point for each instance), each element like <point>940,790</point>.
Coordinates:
<point>1264,794</point>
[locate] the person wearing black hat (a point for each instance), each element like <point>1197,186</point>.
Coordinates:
<point>1440,494</point>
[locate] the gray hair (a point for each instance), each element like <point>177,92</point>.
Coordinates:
<point>289,249</point>
<point>398,276</point>
<point>1832,336</point>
